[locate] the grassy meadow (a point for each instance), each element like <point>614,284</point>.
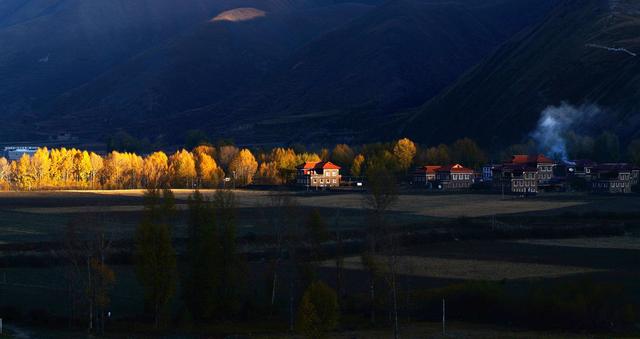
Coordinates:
<point>461,238</point>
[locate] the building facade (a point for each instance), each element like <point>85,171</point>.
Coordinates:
<point>16,152</point>
<point>515,179</point>
<point>454,177</point>
<point>425,176</point>
<point>323,174</point>
<point>614,178</point>
<point>543,165</point>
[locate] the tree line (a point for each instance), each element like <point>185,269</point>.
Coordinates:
<point>206,166</point>
<point>208,279</point>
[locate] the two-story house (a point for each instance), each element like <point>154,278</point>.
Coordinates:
<point>455,177</point>
<point>614,178</point>
<point>318,174</point>
<point>515,179</point>
<point>543,164</point>
<point>425,176</point>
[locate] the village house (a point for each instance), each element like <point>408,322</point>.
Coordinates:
<point>13,153</point>
<point>513,178</point>
<point>614,178</point>
<point>454,177</point>
<point>543,165</point>
<point>425,175</point>
<point>318,174</point>
<point>487,172</point>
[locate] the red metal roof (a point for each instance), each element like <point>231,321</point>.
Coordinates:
<point>318,165</point>
<point>456,168</point>
<point>429,169</point>
<point>531,159</point>
<point>329,165</point>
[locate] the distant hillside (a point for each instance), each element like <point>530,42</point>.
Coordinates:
<point>212,62</point>
<point>584,52</point>
<point>348,83</point>
<point>49,47</point>
<point>253,70</point>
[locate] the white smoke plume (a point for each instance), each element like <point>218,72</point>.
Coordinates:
<point>556,121</point>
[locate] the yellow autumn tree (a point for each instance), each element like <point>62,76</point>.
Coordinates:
<point>206,149</point>
<point>243,167</point>
<point>404,151</point>
<point>82,168</point>
<point>268,172</point>
<point>55,174</point>
<point>22,173</point>
<point>342,155</point>
<point>5,174</point>
<point>41,164</point>
<point>66,166</point>
<point>282,165</point>
<point>114,166</point>
<point>225,154</point>
<point>356,166</point>
<point>136,167</point>
<point>97,164</point>
<point>207,171</point>
<point>156,170</point>
<point>307,157</point>
<point>182,168</point>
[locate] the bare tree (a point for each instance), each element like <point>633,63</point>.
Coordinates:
<point>339,255</point>
<point>86,248</point>
<point>280,213</point>
<point>382,193</point>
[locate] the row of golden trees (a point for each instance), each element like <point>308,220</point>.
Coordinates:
<point>207,166</point>
<point>71,168</point>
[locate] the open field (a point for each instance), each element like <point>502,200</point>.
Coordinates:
<point>432,205</point>
<point>628,243</point>
<point>457,330</point>
<point>32,223</point>
<point>41,216</point>
<point>423,204</point>
<point>468,269</point>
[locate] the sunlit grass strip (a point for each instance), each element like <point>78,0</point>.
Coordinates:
<point>468,269</point>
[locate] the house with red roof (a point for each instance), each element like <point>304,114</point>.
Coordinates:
<point>454,177</point>
<point>614,178</point>
<point>543,164</point>
<point>515,178</point>
<point>425,175</point>
<point>319,174</point>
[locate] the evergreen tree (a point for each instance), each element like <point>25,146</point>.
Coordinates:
<point>154,256</point>
<point>318,312</point>
<point>202,282</point>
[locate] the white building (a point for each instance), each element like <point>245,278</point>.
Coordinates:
<point>16,152</point>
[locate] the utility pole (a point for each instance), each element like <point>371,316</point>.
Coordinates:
<point>443,319</point>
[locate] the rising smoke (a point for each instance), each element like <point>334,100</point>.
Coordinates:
<point>556,121</point>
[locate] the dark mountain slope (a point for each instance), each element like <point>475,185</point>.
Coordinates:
<point>217,59</point>
<point>352,79</point>
<point>564,59</point>
<point>51,46</point>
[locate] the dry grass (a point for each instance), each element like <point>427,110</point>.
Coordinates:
<point>448,206</point>
<point>468,269</point>
<point>627,243</point>
<point>453,330</point>
<point>83,209</point>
